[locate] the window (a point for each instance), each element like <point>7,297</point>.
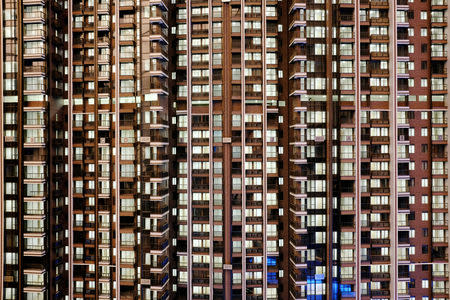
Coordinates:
<point>424,48</point>
<point>10,293</point>
<point>217,27</point>
<point>423,32</point>
<point>237,183</point>
<point>10,223</point>
<point>217,58</point>
<point>11,188</point>
<point>127,86</point>
<point>11,153</point>
<point>11,258</point>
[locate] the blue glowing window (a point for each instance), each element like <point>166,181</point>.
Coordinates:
<point>346,290</point>
<point>271,261</point>
<point>272,278</point>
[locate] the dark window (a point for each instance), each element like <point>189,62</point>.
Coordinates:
<point>424,48</point>
<point>424,65</point>
<point>425,249</point>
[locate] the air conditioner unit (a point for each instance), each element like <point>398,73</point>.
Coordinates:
<point>402,138</point>
<point>348,138</point>
<point>102,141</point>
<point>9,139</point>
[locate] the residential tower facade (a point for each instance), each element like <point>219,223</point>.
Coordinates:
<point>250,149</point>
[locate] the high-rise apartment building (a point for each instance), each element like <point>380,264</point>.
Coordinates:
<point>32,150</point>
<point>223,149</point>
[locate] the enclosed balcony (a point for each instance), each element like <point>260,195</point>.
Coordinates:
<point>35,279</point>
<point>34,32</point>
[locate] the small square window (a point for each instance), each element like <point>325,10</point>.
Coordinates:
<point>424,82</point>
<point>424,131</point>
<point>423,31</point>
<point>424,48</point>
<point>424,199</point>
<point>424,65</point>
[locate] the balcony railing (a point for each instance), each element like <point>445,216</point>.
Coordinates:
<point>439,36</point>
<point>29,33</point>
<point>34,228</point>
<point>35,175</point>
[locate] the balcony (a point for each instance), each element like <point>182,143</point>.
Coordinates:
<point>126,3</point>
<point>160,263</point>
<point>34,52</point>
<point>156,84</point>
<point>126,38</point>
<point>102,24</point>
<point>34,34</point>
<point>439,290</point>
<point>34,193</point>
<point>440,239</point>
<point>31,228</point>
<point>403,223</point>
<point>440,273</point>
<point>439,137</point>
<point>439,205</point>
<point>439,36</point>
<point>35,87</point>
<point>156,30</point>
<point>403,291</point>
<point>375,293</point>
<point>127,260</point>
<point>380,190</point>
<point>35,121</point>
